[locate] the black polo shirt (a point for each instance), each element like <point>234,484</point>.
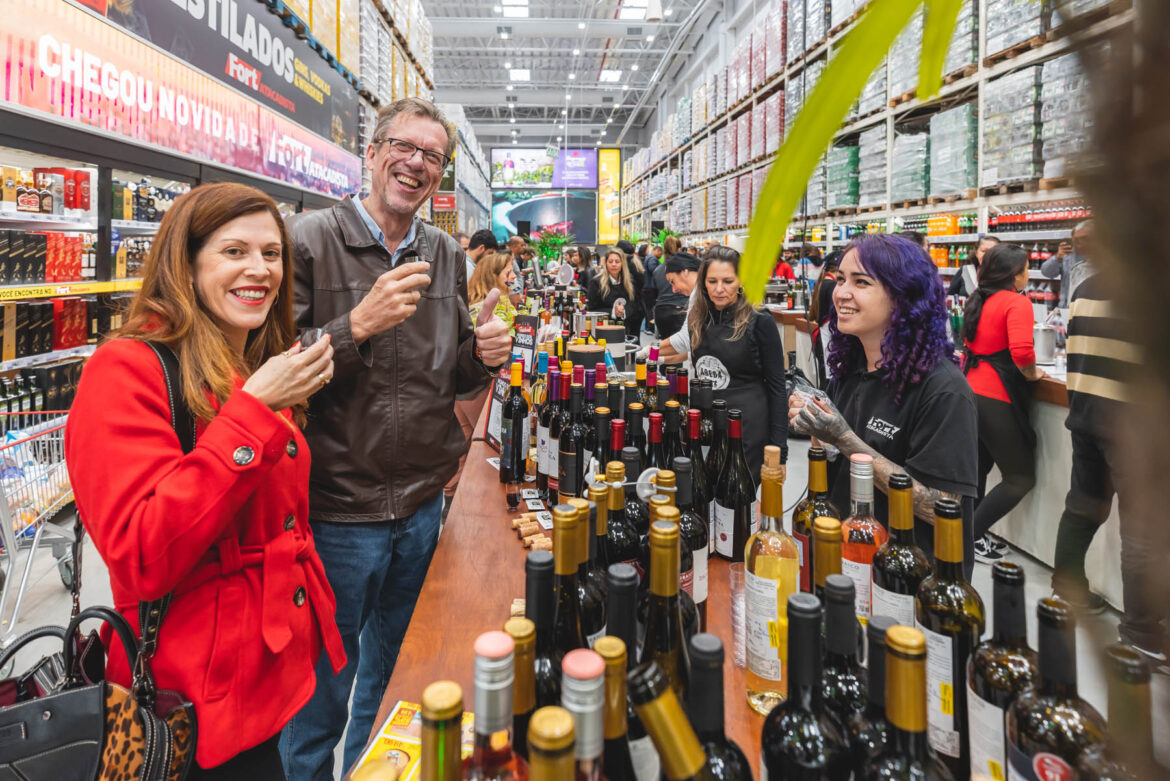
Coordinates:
<point>933,434</point>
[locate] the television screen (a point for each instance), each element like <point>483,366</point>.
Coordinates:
<point>574,212</point>
<point>544,168</point>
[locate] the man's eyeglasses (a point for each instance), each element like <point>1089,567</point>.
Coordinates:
<point>404,150</point>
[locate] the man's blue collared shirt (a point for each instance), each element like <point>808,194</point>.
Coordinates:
<point>377,233</point>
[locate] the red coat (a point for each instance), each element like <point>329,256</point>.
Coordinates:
<point>225,527</point>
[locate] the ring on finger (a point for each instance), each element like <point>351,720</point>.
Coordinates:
<point>324,380</point>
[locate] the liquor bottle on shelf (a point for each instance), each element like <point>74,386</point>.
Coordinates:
<point>560,421</point>
<point>826,554</point>
<point>657,451</point>
<point>693,528</point>
<point>950,614</point>
<point>618,765</point>
<point>540,606</point>
<point>589,594</point>
<point>815,505</point>
<point>658,706</point>
<point>551,744</point>
<point>671,442</point>
<point>717,453</point>
<point>493,757</point>
<point>442,732</point>
<point>621,612</point>
<point>583,695</point>
<point>514,437</point>
<point>861,533</point>
<point>725,759</point>
<point>771,572</point>
<point>636,433</point>
<point>1128,755</point>
<point>735,496</point>
<point>571,475</point>
<point>597,440</point>
<point>567,624</point>
<point>523,634</point>
<point>908,755</point>
<point>548,413</point>
<point>703,399</point>
<point>1049,726</point>
<point>621,540</point>
<point>617,440</point>
<point>637,512</point>
<point>899,566</point>
<point>868,731</point>
<point>665,641</point>
<point>702,490</point>
<point>1001,667</point>
<point>843,681</point>
<point>799,740</point>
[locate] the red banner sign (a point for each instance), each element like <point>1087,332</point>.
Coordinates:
<point>444,203</point>
<point>73,66</point>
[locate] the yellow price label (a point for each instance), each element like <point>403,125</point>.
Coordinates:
<point>996,770</point>
<point>948,699</point>
<point>774,634</point>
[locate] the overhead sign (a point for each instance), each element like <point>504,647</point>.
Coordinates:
<point>544,168</point>
<point>609,180</point>
<point>71,65</point>
<point>443,203</point>
<point>239,42</point>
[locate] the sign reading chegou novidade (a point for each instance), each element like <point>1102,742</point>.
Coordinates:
<point>78,68</point>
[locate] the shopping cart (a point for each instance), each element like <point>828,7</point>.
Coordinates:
<point>34,486</point>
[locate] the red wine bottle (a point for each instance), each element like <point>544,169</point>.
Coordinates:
<point>571,478</point>
<point>514,436</point>
<point>543,438</point>
<point>540,606</point>
<point>657,452</point>
<point>735,496</point>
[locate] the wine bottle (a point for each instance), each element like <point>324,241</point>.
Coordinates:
<point>560,421</point>
<point>583,688</point>
<point>657,453</point>
<point>663,393</point>
<point>703,488</point>
<point>523,634</point>
<point>899,565</point>
<point>686,603</point>
<point>950,614</point>
<point>703,398</point>
<point>629,396</point>
<point>717,453</point>
<point>618,765</point>
<point>658,706</point>
<point>640,374</point>
<point>1128,755</point>
<point>538,394</point>
<point>826,552</point>
<point>799,740</point>
<point>622,624</point>
<point>725,760</point>
<point>770,577</point>
<point>591,597</point>
<point>616,397</point>
<point>637,513</point>
<point>665,643</point>
<point>843,681</point>
<point>514,437</point>
<point>540,606</point>
<point>650,397</point>
<point>599,527</point>
<point>868,731</point>
<point>861,534</point>
<point>636,433</point>
<point>814,505</point>
<point>492,756</point>
<point>590,403</point>
<point>693,528</point>
<point>908,755</point>
<point>551,742</point>
<point>597,440</point>
<point>735,496</point>
<point>570,463</point>
<point>567,623</point>
<point>1001,667</point>
<point>621,539</point>
<point>601,395</point>
<point>442,732</point>
<point>1049,726</point>
<point>671,440</point>
<point>682,394</point>
<point>617,439</point>
<point>543,436</point>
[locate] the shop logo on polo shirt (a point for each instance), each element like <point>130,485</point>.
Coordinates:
<point>711,368</point>
<point>883,427</point>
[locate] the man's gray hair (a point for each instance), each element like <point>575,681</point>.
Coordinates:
<point>1082,225</point>
<point>419,108</point>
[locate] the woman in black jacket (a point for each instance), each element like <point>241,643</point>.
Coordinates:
<point>614,290</point>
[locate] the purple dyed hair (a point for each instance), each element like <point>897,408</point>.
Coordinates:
<point>917,339</point>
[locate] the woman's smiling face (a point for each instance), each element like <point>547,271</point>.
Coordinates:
<point>864,308</point>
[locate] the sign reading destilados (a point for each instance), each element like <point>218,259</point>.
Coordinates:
<point>240,43</point>
<point>74,66</point>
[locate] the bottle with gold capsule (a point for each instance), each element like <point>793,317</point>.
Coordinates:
<point>665,641</point>
<point>599,527</point>
<point>514,437</point>
<point>551,744</point>
<point>686,578</point>
<point>617,764</point>
<point>899,565</point>
<point>621,539</point>
<point>523,634</point>
<point>771,573</point>
<point>658,707</point>
<point>567,624</point>
<point>826,552</point>
<point>815,505</point>
<point>591,596</point>
<point>442,732</point>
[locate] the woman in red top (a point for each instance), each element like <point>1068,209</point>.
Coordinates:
<point>999,360</point>
<point>224,528</point>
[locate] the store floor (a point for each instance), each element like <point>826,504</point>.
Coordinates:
<point>47,602</point>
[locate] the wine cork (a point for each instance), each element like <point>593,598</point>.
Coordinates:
<point>538,542</point>
<point>517,609</point>
<point>528,528</point>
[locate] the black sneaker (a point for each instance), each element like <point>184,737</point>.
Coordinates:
<point>996,543</point>
<point>985,553</point>
<point>1156,658</point>
<point>1090,604</point>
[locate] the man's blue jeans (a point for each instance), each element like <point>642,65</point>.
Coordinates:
<point>376,571</point>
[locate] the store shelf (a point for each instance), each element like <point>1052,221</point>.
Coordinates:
<point>961,238</point>
<point>83,351</point>
<point>51,290</point>
<point>134,227</point>
<point>1017,236</point>
<point>949,271</point>
<point>33,221</point>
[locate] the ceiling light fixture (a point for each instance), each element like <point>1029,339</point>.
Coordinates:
<point>514,142</point>
<point>558,139</point>
<point>650,38</point>
<point>576,52</point>
<point>512,121</point>
<point>625,87</point>
<point>562,127</point>
<point>568,96</point>
<point>572,76</point>
<point>580,25</point>
<point>509,88</point>
<point>610,75</point>
<point>634,67</point>
<point>520,74</point>
<point>507,66</point>
<point>668,12</point>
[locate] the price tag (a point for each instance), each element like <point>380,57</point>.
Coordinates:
<point>773,634</point>
<point>947,692</point>
<point>495,462</point>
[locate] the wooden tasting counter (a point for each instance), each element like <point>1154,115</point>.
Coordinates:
<point>478,569</point>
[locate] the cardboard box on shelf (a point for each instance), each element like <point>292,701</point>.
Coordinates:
<point>301,9</point>
<point>349,33</point>
<point>324,23</point>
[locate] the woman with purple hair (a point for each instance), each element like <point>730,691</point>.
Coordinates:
<point>896,393</point>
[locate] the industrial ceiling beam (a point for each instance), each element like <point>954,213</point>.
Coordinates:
<point>475,27</point>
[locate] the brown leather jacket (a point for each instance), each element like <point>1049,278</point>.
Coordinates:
<point>383,434</point>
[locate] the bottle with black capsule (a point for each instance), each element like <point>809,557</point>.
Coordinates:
<point>725,759</point>
<point>717,453</point>
<point>636,433</point>
<point>597,439</point>
<point>843,682</point>
<point>539,605</point>
<point>693,528</point>
<point>621,623</point>
<point>571,482</point>
<point>869,731</point>
<point>637,512</point>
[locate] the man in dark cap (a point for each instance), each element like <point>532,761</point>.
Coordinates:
<point>675,279</point>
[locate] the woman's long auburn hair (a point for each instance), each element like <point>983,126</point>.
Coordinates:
<point>702,309</point>
<point>603,274</point>
<point>168,311</point>
<point>487,276</point>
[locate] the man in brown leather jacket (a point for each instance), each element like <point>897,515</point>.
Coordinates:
<point>392,293</point>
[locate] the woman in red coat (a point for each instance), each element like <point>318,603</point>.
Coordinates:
<point>223,528</point>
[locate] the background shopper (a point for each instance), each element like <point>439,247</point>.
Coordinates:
<point>999,359</point>
<point>670,308</point>
<point>820,307</point>
<point>964,282</point>
<point>391,291</point>
<point>480,243</point>
<point>1071,263</point>
<point>205,526</point>
<point>613,290</point>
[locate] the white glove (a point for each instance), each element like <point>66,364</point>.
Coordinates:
<point>643,353</point>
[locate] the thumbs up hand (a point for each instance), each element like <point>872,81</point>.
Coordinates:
<point>493,343</point>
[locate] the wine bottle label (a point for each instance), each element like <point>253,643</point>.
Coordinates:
<point>940,692</point>
<point>1042,767</point>
<point>899,607</point>
<point>590,639</point>
<point>586,459</point>
<point>700,594</point>
<point>985,722</point>
<point>724,529</point>
<point>802,549</point>
<point>762,630</point>
<point>542,449</point>
<point>554,467</point>
<point>506,444</point>
<point>862,577</point>
<point>647,766</point>
<point>686,582</point>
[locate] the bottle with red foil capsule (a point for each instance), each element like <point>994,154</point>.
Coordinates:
<point>861,533</point>
<point>493,757</point>
<point>815,505</point>
<point>657,451</point>
<point>650,399</point>
<point>617,439</point>
<point>735,496</point>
